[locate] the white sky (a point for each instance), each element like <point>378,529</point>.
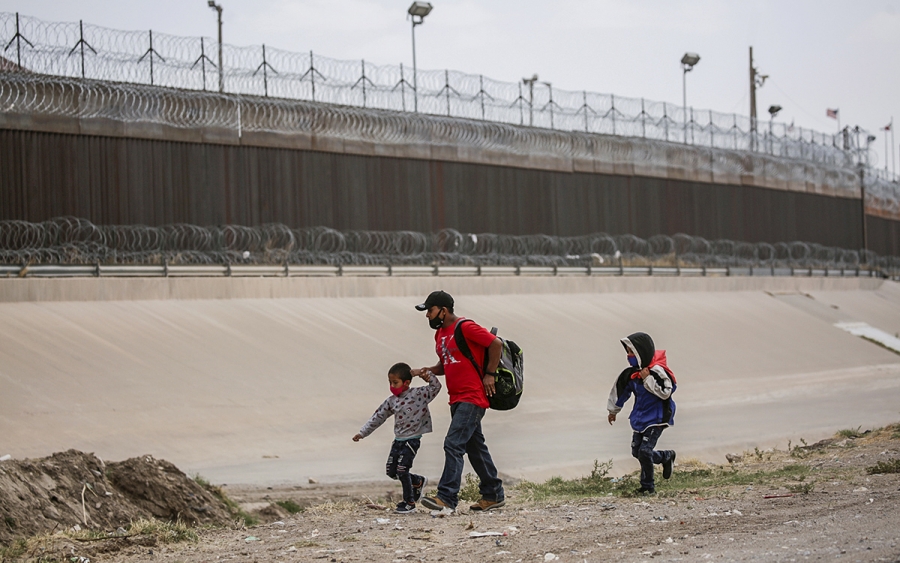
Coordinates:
<point>817,53</point>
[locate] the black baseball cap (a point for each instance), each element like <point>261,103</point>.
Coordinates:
<point>439,298</point>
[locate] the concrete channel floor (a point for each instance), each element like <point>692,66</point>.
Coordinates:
<point>267,391</point>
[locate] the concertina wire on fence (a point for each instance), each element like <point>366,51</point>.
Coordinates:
<point>170,80</point>
<point>68,240</point>
<point>81,50</point>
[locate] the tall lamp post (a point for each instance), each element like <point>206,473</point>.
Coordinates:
<point>417,12</point>
<point>687,64</point>
<point>773,111</point>
<point>218,9</point>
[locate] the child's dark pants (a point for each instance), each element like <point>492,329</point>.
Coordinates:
<point>399,462</point>
<point>642,447</point>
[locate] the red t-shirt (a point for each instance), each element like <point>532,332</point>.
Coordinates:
<point>463,382</point>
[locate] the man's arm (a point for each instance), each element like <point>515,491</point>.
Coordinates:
<point>493,352</point>
<point>437,369</point>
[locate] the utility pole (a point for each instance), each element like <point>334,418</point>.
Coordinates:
<point>756,81</point>
<point>218,9</point>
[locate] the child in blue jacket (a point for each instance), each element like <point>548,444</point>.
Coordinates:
<point>652,383</point>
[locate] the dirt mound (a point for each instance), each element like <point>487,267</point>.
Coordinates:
<point>73,488</point>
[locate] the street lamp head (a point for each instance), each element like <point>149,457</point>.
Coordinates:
<point>531,80</point>
<point>774,109</point>
<point>690,59</point>
<point>420,9</point>
<point>212,4</point>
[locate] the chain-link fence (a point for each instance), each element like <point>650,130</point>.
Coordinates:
<point>144,57</point>
<point>69,240</point>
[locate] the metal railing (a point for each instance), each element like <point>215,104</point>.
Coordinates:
<point>294,270</point>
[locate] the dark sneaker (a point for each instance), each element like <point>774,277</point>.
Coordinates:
<point>419,491</point>
<point>436,503</point>
<point>667,465</point>
<point>644,491</point>
<point>484,504</point>
<point>405,508</point>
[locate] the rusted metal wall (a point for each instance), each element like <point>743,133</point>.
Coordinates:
<point>125,181</point>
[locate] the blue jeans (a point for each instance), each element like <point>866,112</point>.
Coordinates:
<point>464,437</point>
<point>642,447</point>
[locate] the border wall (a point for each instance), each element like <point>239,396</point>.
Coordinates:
<point>127,154</point>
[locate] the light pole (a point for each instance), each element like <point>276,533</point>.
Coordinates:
<point>687,64</point>
<point>773,111</point>
<point>417,12</point>
<point>530,82</point>
<point>218,9</point>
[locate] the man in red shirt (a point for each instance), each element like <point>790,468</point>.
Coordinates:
<point>469,391</point>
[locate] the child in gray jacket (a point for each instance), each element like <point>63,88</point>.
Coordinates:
<point>412,419</point>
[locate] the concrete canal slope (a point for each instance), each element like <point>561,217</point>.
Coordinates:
<point>264,390</point>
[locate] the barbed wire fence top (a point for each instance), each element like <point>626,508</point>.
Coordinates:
<point>82,50</point>
<point>69,240</point>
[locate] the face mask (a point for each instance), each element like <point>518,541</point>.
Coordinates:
<point>397,391</point>
<point>633,361</point>
<point>436,322</point>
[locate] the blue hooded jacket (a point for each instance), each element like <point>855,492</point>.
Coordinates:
<point>653,404</point>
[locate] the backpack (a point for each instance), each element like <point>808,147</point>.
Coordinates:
<point>509,379</point>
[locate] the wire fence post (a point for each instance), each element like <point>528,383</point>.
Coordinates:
<point>643,121</point>
<point>734,129</point>
<point>149,54</point>
<point>362,82</point>
<point>18,38</point>
<point>81,43</point>
<point>265,66</point>
<point>203,59</point>
<point>612,111</point>
<point>666,120</point>
<point>447,86</point>
<point>402,84</point>
<point>312,72</point>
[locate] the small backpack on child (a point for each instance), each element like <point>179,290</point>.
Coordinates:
<point>510,373</point>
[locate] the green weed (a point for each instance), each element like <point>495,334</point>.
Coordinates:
<point>470,491</point>
<point>289,505</point>
<point>890,466</point>
<point>233,507</point>
<point>851,432</point>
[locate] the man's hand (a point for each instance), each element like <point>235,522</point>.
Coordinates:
<point>357,438</point>
<point>417,372</point>
<point>425,375</point>
<point>611,418</point>
<point>488,385</point>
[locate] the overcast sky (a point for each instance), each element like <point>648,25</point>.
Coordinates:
<point>818,53</point>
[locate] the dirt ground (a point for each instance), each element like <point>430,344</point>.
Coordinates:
<point>841,512</point>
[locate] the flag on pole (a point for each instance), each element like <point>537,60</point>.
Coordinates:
<point>832,113</point>
<point>887,127</point>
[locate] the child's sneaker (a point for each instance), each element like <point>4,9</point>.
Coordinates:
<point>405,508</point>
<point>667,465</point>
<point>419,491</point>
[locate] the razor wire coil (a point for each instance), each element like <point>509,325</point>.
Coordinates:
<point>67,240</point>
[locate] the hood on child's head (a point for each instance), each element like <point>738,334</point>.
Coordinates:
<point>641,346</point>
